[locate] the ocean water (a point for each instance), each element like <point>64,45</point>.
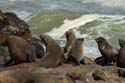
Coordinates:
<point>88,18</point>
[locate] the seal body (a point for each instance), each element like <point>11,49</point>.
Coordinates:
<point>70,39</point>
<point>20,50</point>
<point>53,55</point>
<point>76,52</point>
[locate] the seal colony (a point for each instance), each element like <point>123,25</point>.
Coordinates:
<point>28,53</point>
<point>23,47</point>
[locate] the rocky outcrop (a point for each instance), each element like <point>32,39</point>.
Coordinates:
<point>66,73</point>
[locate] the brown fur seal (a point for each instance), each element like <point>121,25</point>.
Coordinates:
<point>70,38</point>
<point>20,50</point>
<point>76,52</point>
<point>121,56</point>
<point>107,51</point>
<point>53,54</point>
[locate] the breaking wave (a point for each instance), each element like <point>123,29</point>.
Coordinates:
<point>91,26</point>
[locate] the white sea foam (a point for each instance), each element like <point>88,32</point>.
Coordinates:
<point>75,24</point>
<point>70,24</point>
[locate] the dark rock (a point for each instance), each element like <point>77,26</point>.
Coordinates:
<point>99,75</point>
<point>101,61</point>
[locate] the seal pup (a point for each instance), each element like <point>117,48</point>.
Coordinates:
<point>53,55</point>
<point>70,39</point>
<point>108,52</point>
<point>76,52</point>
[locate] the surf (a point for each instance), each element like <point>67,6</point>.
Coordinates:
<point>71,24</point>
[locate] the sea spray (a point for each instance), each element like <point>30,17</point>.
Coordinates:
<point>70,24</point>
<point>75,24</point>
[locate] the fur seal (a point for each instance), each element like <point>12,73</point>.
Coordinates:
<point>121,56</point>
<point>20,50</point>
<point>108,52</point>
<point>76,52</point>
<point>70,39</point>
<point>53,55</point>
